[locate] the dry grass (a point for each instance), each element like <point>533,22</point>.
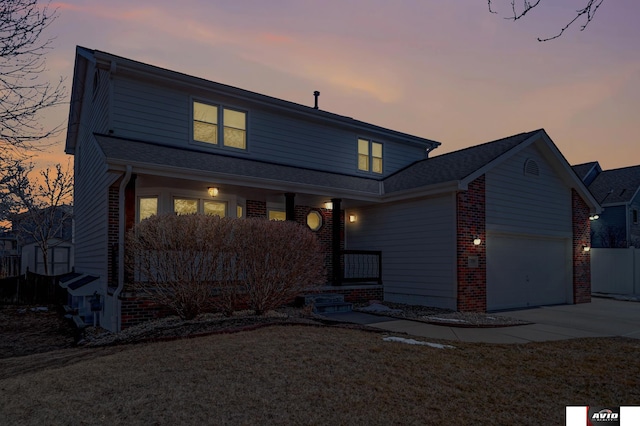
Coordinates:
<point>312,375</point>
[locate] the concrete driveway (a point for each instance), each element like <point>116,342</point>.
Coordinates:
<point>600,318</point>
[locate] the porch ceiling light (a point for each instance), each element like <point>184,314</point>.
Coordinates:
<point>594,217</point>
<point>477,241</point>
<point>328,205</point>
<point>213,191</point>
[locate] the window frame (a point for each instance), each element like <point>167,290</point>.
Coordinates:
<point>370,144</point>
<point>220,125</point>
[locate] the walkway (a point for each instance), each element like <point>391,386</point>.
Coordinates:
<point>600,318</point>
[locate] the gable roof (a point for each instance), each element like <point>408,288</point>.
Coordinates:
<point>461,167</point>
<point>454,166</point>
<point>616,186</point>
<point>583,170</point>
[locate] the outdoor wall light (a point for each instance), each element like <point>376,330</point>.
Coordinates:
<point>353,218</point>
<point>594,217</point>
<point>477,241</point>
<point>328,205</point>
<point>586,248</point>
<point>213,191</point>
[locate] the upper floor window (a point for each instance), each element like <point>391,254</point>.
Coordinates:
<point>233,131</point>
<point>369,156</point>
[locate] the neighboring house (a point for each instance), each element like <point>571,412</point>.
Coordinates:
<point>496,226</point>
<point>59,244</point>
<point>618,192</point>
<point>9,255</point>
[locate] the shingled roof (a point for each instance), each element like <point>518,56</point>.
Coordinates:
<point>583,169</point>
<point>453,166</point>
<point>616,186</point>
<point>127,151</point>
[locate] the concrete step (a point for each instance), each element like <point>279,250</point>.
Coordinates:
<point>315,299</point>
<point>329,308</point>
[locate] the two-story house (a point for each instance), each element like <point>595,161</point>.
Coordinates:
<point>618,192</point>
<point>495,226</point>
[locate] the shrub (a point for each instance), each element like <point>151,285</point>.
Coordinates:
<point>279,260</point>
<point>182,261</point>
<point>177,260</point>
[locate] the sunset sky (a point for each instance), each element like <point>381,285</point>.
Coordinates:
<point>445,70</point>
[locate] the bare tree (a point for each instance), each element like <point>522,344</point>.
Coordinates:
<point>24,93</point>
<point>39,208</point>
<point>519,11</point>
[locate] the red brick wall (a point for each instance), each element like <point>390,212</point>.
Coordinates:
<point>581,258</point>
<point>256,208</point>
<point>136,310</point>
<point>112,238</point>
<point>362,294</point>
<point>471,220</point>
<point>324,234</point>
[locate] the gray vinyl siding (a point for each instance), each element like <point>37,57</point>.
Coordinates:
<point>519,203</point>
<point>142,111</point>
<point>417,240</point>
<point>609,230</point>
<point>91,186</point>
<point>162,115</point>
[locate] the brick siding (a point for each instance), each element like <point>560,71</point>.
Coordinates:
<point>471,220</point>
<point>581,258</point>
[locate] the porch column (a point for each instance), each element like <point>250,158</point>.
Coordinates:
<point>290,206</point>
<point>335,242</point>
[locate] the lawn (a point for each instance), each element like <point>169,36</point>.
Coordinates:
<point>317,375</point>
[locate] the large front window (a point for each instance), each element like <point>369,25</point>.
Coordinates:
<point>192,206</point>
<point>233,131</point>
<point>369,156</point>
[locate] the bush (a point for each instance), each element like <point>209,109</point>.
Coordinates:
<point>176,259</point>
<point>279,260</point>
<point>193,263</point>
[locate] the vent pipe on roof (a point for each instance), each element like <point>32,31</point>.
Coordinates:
<point>315,95</point>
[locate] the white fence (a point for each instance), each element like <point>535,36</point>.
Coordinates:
<point>615,270</point>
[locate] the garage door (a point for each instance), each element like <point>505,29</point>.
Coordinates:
<point>524,272</point>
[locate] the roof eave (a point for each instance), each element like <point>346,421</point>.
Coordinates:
<point>249,181</point>
<point>83,58</point>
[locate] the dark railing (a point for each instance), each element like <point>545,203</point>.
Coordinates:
<point>361,266</point>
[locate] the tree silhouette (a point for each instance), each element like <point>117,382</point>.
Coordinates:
<point>24,93</point>
<point>521,9</point>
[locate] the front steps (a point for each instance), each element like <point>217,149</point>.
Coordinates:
<point>327,303</point>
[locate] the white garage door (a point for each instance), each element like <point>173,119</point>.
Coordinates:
<point>524,272</point>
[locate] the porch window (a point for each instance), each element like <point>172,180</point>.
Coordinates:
<point>369,156</point>
<point>239,211</point>
<point>635,216</point>
<point>233,131</point>
<point>215,208</point>
<point>147,207</point>
<point>277,214</point>
<point>185,206</point>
